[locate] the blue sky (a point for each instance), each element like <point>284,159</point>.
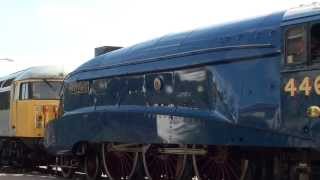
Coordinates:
<point>65,32</point>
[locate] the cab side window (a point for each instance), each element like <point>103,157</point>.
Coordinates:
<point>296,45</point>
<point>5,100</point>
<point>315,42</point>
<point>24,91</point>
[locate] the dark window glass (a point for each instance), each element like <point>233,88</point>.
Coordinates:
<point>116,91</point>
<point>135,94</point>
<point>296,45</point>
<point>4,100</point>
<point>160,89</point>
<point>40,90</point>
<point>8,83</point>
<point>107,91</point>
<point>100,86</point>
<point>191,88</point>
<point>24,91</point>
<point>315,42</point>
<point>120,90</point>
<point>81,87</point>
<point>77,95</point>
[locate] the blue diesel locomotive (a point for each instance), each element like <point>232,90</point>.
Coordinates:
<point>230,102</point>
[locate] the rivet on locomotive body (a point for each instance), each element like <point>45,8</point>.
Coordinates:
<point>157,84</point>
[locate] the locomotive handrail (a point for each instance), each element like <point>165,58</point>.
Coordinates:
<point>181,54</point>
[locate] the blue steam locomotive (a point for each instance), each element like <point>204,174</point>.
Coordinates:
<point>235,101</point>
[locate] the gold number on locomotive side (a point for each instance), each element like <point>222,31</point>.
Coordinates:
<point>306,86</point>
<point>317,85</point>
<point>291,87</point>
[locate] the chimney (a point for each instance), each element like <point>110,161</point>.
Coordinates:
<point>104,49</point>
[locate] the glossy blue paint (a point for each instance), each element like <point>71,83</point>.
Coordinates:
<point>219,85</point>
<point>228,42</point>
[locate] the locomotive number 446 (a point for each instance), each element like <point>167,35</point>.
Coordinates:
<point>307,85</point>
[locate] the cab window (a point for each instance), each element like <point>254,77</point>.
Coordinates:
<point>315,42</point>
<point>295,45</point>
<point>4,100</point>
<point>40,90</point>
<point>8,83</point>
<point>24,91</point>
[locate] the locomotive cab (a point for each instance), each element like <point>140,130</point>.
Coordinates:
<point>29,100</point>
<point>35,103</point>
<point>300,72</point>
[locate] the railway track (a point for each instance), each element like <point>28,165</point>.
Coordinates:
<point>19,176</point>
<point>8,173</point>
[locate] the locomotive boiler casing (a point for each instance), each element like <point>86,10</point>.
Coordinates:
<point>221,85</point>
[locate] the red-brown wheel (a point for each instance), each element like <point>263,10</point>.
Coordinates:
<point>163,166</point>
<point>219,163</point>
<point>118,165</point>
<point>92,167</point>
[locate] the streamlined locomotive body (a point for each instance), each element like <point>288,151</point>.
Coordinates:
<point>240,99</point>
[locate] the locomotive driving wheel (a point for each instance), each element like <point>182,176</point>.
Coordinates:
<point>118,164</point>
<point>219,164</point>
<point>66,171</point>
<point>160,165</point>
<point>92,167</point>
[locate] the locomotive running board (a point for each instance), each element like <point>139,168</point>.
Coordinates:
<point>177,151</point>
<point>183,151</point>
<point>63,166</point>
<point>127,148</point>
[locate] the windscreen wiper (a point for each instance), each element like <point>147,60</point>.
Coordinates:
<point>49,84</point>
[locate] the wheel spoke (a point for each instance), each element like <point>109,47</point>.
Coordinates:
<point>236,175</point>
<point>218,164</point>
<point>207,163</point>
<point>65,171</point>
<point>228,176</point>
<point>119,165</point>
<point>163,166</point>
<point>92,168</point>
